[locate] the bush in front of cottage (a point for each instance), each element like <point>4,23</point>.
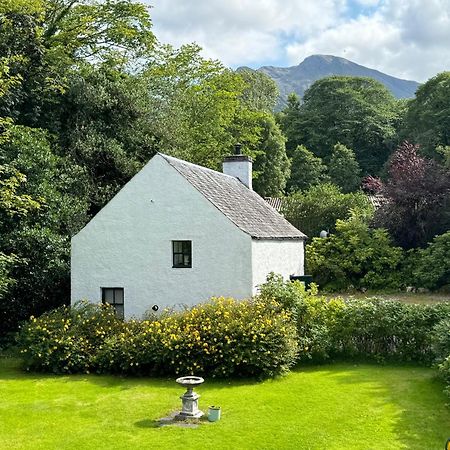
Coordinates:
<point>220,338</point>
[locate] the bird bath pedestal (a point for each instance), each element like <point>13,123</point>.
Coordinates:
<point>190,398</point>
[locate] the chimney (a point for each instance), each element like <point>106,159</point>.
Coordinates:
<point>239,166</point>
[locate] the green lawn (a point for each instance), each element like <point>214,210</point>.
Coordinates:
<point>338,406</point>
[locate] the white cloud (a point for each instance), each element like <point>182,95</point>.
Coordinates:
<point>242,32</point>
<point>404,38</point>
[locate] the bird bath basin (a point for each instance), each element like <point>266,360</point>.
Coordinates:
<point>189,399</point>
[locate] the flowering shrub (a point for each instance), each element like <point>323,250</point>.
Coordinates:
<point>66,339</point>
<point>220,338</point>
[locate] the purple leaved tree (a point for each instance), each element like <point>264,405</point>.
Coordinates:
<point>417,194</point>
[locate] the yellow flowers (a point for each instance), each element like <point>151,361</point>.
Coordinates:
<point>222,337</point>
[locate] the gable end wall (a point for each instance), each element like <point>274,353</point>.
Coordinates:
<point>129,244</point>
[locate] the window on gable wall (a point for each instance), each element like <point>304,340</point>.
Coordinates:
<point>182,254</point>
<point>114,296</point>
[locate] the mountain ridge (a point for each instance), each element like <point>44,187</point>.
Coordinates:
<point>300,77</point>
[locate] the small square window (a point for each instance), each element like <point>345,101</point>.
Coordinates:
<point>182,253</point>
<point>114,296</point>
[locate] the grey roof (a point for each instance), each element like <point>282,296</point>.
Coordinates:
<point>275,202</point>
<point>244,207</point>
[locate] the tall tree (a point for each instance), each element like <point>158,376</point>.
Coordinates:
<point>288,119</point>
<point>358,112</point>
<point>48,39</point>
<point>260,92</point>
<point>343,168</point>
<point>418,198</point>
<point>272,166</point>
<point>40,239</point>
<point>428,117</point>
<point>306,170</point>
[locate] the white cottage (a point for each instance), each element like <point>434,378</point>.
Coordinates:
<point>178,234</point>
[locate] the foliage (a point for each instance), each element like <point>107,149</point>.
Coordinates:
<point>306,170</point>
<point>427,120</point>
<point>40,239</point>
<point>272,167</point>
<point>319,207</point>
<point>418,198</point>
<point>362,328</point>
<point>441,350</point>
<point>7,262</point>
<point>200,110</point>
<point>360,113</point>
<point>261,91</point>
<point>343,169</point>
<point>66,339</point>
<point>311,313</point>
<point>386,329</point>
<point>355,256</point>
<point>105,127</point>
<point>441,340</point>
<point>220,338</point>
<point>432,264</point>
<point>13,205</point>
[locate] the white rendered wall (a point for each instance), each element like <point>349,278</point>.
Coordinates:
<point>129,244</point>
<point>239,169</point>
<point>285,257</point>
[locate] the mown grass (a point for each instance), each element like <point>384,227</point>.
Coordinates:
<point>338,406</point>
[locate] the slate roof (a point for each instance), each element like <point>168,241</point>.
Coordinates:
<point>244,207</point>
<point>275,202</point>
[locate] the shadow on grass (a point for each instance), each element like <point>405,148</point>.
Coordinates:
<point>148,423</point>
<point>422,416</point>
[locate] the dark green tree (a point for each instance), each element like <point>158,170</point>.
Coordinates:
<point>343,168</point>
<point>320,206</point>
<point>428,117</point>
<point>288,119</point>
<point>358,112</point>
<point>306,170</point>
<point>272,166</point>
<point>40,239</point>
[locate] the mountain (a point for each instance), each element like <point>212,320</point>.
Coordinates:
<point>299,78</point>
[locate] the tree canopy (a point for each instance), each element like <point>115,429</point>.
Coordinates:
<point>360,113</point>
<point>427,121</point>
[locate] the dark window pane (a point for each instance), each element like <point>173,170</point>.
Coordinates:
<point>108,295</point>
<point>118,296</point>
<point>182,253</point>
<point>178,259</point>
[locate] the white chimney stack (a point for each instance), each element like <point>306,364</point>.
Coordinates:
<point>239,166</point>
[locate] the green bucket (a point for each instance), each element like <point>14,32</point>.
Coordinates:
<point>214,413</point>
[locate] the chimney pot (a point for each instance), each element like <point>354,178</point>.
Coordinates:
<point>238,148</point>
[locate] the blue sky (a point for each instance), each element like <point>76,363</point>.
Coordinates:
<point>405,38</point>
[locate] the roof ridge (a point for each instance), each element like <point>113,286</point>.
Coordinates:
<point>244,207</point>
<point>197,166</point>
